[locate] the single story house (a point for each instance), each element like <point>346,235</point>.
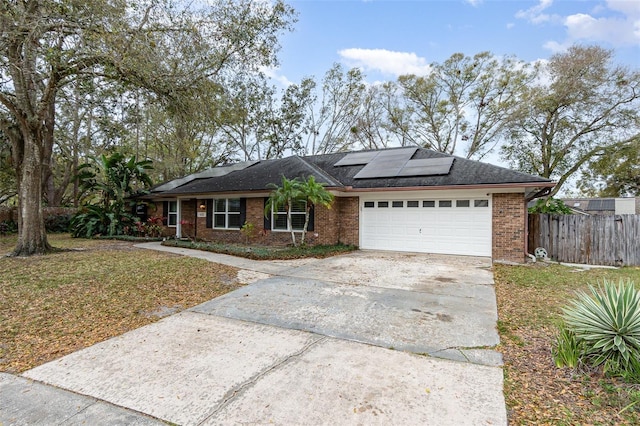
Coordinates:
<point>404,199</point>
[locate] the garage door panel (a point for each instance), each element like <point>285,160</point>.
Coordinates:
<point>458,228</point>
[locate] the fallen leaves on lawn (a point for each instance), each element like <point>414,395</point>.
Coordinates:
<point>53,305</point>
<point>536,391</point>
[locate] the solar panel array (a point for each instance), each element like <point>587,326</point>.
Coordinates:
<point>395,163</point>
<point>602,204</point>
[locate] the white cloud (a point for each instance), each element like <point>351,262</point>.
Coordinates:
<point>617,31</point>
<point>630,8</point>
<point>273,74</point>
<point>535,14</point>
<point>474,3</point>
<point>556,47</point>
<point>510,25</point>
<point>616,22</point>
<point>385,61</point>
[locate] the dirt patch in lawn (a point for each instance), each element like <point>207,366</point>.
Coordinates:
<point>53,305</point>
<point>536,391</point>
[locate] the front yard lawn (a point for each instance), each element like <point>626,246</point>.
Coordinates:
<point>529,302</point>
<point>53,305</point>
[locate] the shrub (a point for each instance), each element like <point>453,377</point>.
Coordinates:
<point>549,206</point>
<point>8,227</point>
<point>94,220</point>
<point>607,322</point>
<point>57,223</point>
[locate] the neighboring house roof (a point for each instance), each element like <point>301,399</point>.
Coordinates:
<point>391,168</point>
<point>604,205</point>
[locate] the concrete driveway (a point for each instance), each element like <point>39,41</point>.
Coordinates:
<point>363,338</point>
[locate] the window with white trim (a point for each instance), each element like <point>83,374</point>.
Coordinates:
<point>172,213</point>
<point>298,212</point>
<point>226,213</point>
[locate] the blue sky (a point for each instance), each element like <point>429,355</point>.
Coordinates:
<point>387,38</point>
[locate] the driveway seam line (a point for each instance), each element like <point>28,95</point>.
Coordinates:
<point>240,389</point>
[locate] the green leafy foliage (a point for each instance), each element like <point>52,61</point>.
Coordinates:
<point>110,183</point>
<point>8,227</point>
<point>58,223</point>
<point>608,323</point>
<point>567,350</point>
<point>550,206</point>
<point>310,191</point>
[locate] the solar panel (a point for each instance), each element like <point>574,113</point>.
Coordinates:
<point>380,169</point>
<point>386,164</point>
<point>357,158</point>
<point>404,153</point>
<point>427,167</point>
<point>602,204</point>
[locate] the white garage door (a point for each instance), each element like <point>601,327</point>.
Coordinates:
<point>447,226</point>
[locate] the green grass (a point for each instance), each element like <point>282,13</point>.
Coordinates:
<point>265,252</point>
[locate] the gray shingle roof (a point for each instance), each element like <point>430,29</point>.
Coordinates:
<point>260,175</point>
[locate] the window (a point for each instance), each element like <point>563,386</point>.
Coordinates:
<point>298,212</point>
<point>226,213</point>
<point>462,203</point>
<point>397,204</point>
<point>413,204</point>
<point>369,204</point>
<point>428,203</point>
<point>480,203</point>
<point>444,203</point>
<point>383,204</point>
<point>172,213</point>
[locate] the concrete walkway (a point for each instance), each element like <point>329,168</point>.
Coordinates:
<point>312,344</point>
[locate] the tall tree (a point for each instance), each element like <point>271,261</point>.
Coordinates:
<point>615,174</point>
<point>168,49</point>
<point>329,127</point>
<point>463,101</point>
<point>582,106</point>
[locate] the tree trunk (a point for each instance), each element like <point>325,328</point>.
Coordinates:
<point>290,225</point>
<point>32,236</point>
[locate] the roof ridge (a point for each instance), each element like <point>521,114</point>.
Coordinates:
<point>320,171</point>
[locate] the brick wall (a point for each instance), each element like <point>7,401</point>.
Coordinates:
<point>325,228</point>
<point>509,215</point>
<point>349,224</point>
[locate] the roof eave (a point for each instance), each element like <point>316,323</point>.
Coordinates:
<point>449,187</point>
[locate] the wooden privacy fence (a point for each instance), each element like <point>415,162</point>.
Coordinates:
<point>590,240</point>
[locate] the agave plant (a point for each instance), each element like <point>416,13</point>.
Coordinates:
<point>608,322</point>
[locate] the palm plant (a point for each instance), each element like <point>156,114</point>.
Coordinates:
<point>315,194</point>
<point>284,196</point>
<point>608,322</point>
<point>310,191</point>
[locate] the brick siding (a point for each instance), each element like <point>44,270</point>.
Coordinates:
<point>349,223</point>
<point>331,225</point>
<point>509,215</point>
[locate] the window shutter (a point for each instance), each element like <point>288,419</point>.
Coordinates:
<point>243,211</point>
<point>165,213</point>
<point>311,224</point>
<point>209,214</point>
<point>267,217</point>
